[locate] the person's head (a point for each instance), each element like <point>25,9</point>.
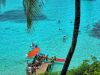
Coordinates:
<point>64,36</point>
<point>36,46</point>
<point>58,21</point>
<point>60,29</point>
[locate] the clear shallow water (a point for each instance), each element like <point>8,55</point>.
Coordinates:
<point>15,41</point>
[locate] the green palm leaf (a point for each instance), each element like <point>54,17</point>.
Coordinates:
<point>32,9</point>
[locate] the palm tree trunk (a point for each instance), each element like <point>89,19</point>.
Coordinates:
<point>74,39</point>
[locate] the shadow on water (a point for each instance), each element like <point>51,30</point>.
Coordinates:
<point>18,16</point>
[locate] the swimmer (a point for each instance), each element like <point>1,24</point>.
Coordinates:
<point>64,38</point>
<point>36,46</point>
<point>33,46</point>
<point>59,21</point>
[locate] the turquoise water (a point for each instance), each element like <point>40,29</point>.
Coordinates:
<point>15,41</point>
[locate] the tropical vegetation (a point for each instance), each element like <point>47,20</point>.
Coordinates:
<point>87,67</point>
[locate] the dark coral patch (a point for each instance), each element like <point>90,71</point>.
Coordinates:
<point>95,31</point>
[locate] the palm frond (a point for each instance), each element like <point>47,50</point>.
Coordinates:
<point>32,9</point>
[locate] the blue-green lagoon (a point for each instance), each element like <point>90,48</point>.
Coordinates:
<point>15,41</point>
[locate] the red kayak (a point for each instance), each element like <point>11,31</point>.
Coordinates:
<point>60,60</point>
<point>33,52</point>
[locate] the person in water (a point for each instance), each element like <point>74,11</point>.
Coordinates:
<point>59,22</point>
<point>33,45</point>
<point>52,60</point>
<point>36,46</point>
<point>54,57</point>
<point>46,58</point>
<point>64,38</point>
